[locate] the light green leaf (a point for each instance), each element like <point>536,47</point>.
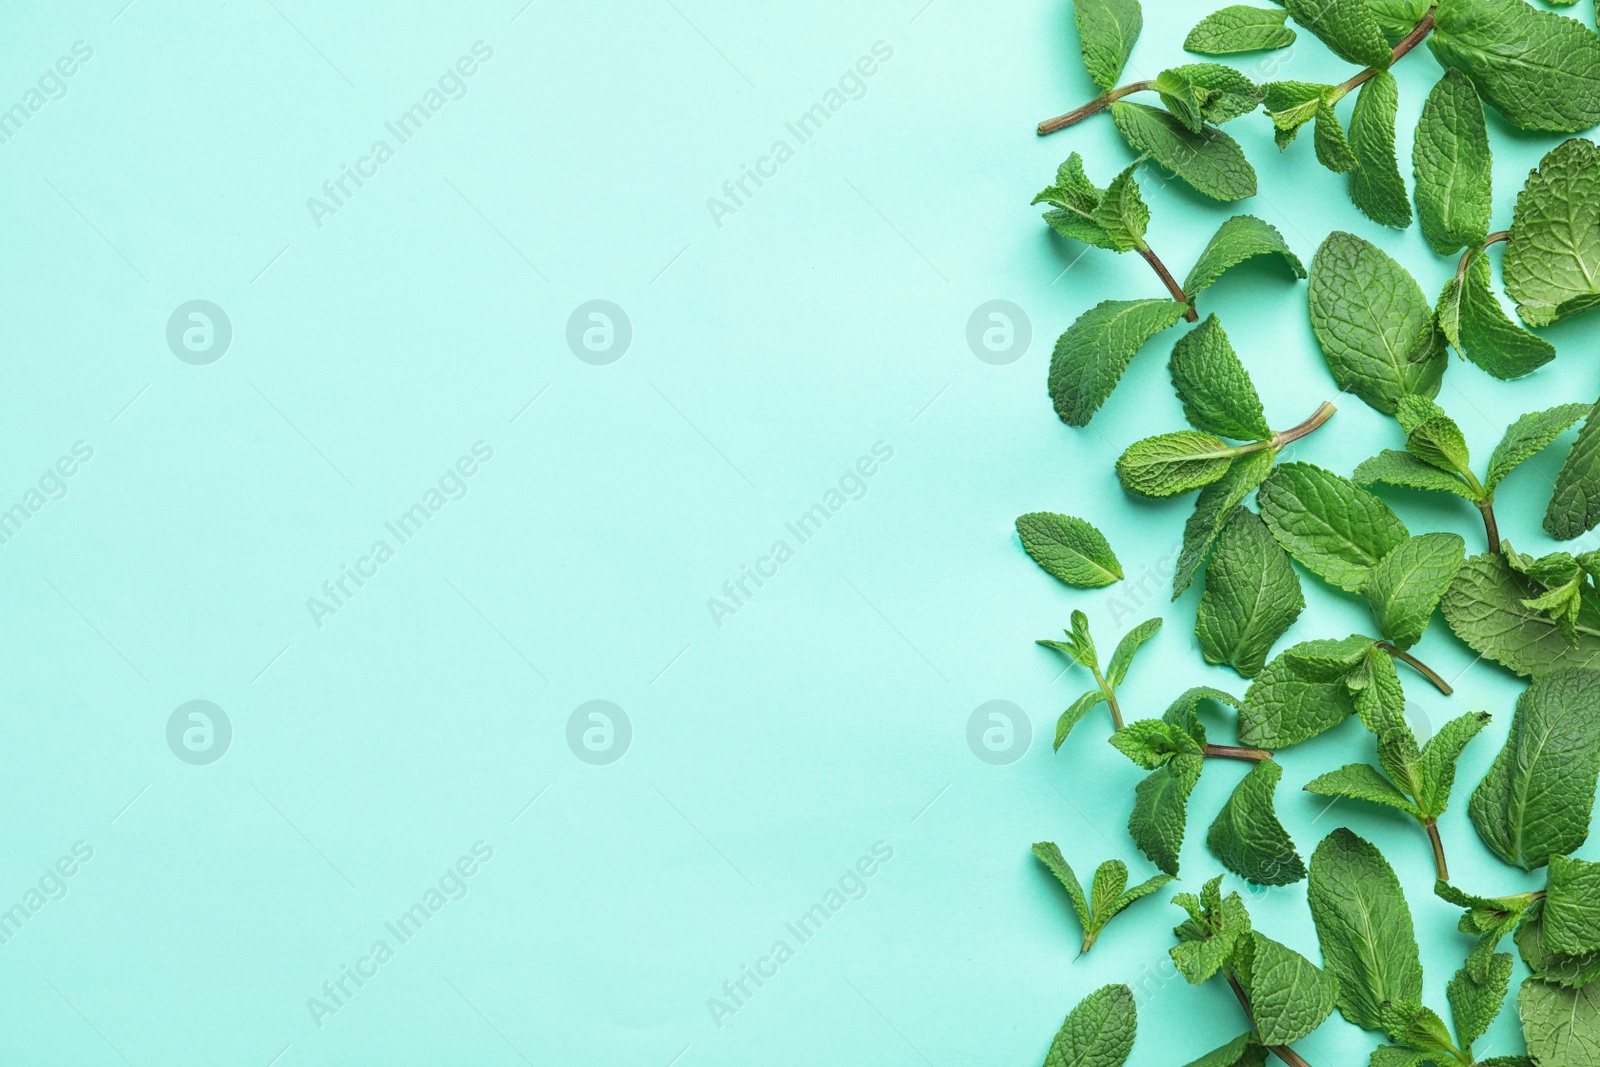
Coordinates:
<point>1090,357</point>
<point>1240,238</point>
<point>1243,1051</point>
<point>1110,879</point>
<point>1143,889</point>
<point>1562,1025</point>
<point>1535,801</point>
<point>1540,70</point>
<point>1486,608</point>
<point>1213,510</point>
<point>1208,937</point>
<point>1362,781</point>
<point>1528,436</point>
<point>1438,441</point>
<point>1439,758</point>
<point>1476,998</point>
<point>1291,105</point>
<point>1364,925</point>
<point>1122,213</point>
<point>1074,714</point>
<point>1239,29</point>
<point>1552,261</point>
<point>1332,146</point>
<point>1289,995</point>
<point>1050,855</point>
<point>1122,658</point>
<point>1575,503</point>
<point>1250,841</point>
<point>1160,810</point>
<point>1406,584</point>
<point>1217,394</point>
<point>1471,319</point>
<point>1098,1032</point>
<point>1390,467</point>
<point>1069,548</point>
<point>1228,93</point>
<point>1107,30</point>
<point>1152,742</point>
<point>1572,908</point>
<point>1210,162</point>
<point>1332,526</point>
<point>1252,597</point>
<point>1451,158</point>
<point>1348,27</point>
<point>1327,660</point>
<point>1376,186</point>
<point>1173,463</point>
<point>1373,323</point>
<point>1075,200</point>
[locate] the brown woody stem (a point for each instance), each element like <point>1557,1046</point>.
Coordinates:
<point>1099,103</point>
<point>1407,43</point>
<point>1438,849</point>
<point>1170,282</point>
<point>1323,413</point>
<point>1417,665</point>
<point>1490,527</point>
<point>1254,755</point>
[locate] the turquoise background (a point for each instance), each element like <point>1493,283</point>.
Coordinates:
<point>769,353</point>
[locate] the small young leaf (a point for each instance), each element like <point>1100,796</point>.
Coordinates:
<point>1228,94</point>
<point>1250,841</point>
<point>1075,200</point>
<point>1438,441</point>
<point>1098,1032</point>
<point>1348,27</point>
<point>1552,261</point>
<point>1486,606</point>
<point>1528,436</point>
<point>1439,757</point>
<point>1252,597</point>
<point>1213,510</point>
<point>1110,879</point>
<point>1575,503</point>
<point>1332,146</point>
<point>1403,469</point>
<point>1290,105</point>
<point>1240,238</point>
<point>1333,527</point>
<point>1471,319</point>
<point>1173,463</point>
<point>1540,70</point>
<point>1151,742</point>
<point>1210,162</point>
<point>1376,186</point>
<point>1207,939</point>
<point>1122,213</point>
<point>1132,641</point>
<point>1128,896</point>
<point>1476,997</point>
<point>1535,801</point>
<point>1451,159</point>
<point>1239,29</point>
<point>1373,323</point>
<point>1074,714</point>
<point>1107,30</point>
<point>1217,394</point>
<point>1572,908</point>
<point>1051,857</point>
<point>1406,585</point>
<point>1091,355</point>
<point>1289,995</point>
<point>1160,810</point>
<point>1069,548</point>
<point>1362,781</point>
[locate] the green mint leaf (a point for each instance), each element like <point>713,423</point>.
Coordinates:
<point>1413,411</point>
<point>1406,585</point>
<point>1364,927</point>
<point>1471,319</point>
<point>1107,30</point>
<point>1091,355</point>
<point>1243,1051</point>
<point>1069,549</point>
<point>1250,841</point>
<point>1477,995</point>
<point>1239,29</point>
<point>1376,186</point>
<point>1284,706</point>
<point>1208,937</point>
<point>1403,469</point>
<point>1228,94</point>
<point>1450,157</point>
<point>1173,463</point>
<point>1291,105</point>
<point>1160,810</point>
<point>1535,801</point>
<point>1562,1026</point>
<point>1075,713</point>
<point>1438,441</point>
<point>1098,1032</point>
<point>1575,502</point>
<point>1151,743</point>
<point>1557,969</point>
<point>1122,213</point>
<point>1439,758</point>
<point>1539,70</point>
<point>1327,660</point>
<point>1210,162</point>
<point>1419,1028</point>
<point>1184,712</point>
<point>1240,238</point>
<point>1217,394</point>
<point>1333,527</point>
<point>1397,17</point>
<point>1332,146</point>
<point>1289,995</point>
<point>1110,879</point>
<point>1394,1056</point>
<point>1213,509</point>
<point>1128,896</point>
<point>1572,908</point>
<point>1373,323</point>
<point>1552,261</point>
<point>1528,436</point>
<point>1487,608</point>
<point>1182,97</point>
<point>1348,27</point>
<point>1075,199</point>
<point>1132,641</point>
<point>1362,781</point>
<point>1050,855</point>
<point>1252,596</point>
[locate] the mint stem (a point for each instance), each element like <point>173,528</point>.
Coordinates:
<point>1099,103</point>
<point>1253,755</point>
<point>1170,282</point>
<point>1407,43</point>
<point>1490,527</point>
<point>1111,698</point>
<point>1323,413</point>
<point>1283,1052</point>
<point>1466,257</point>
<point>1438,849</point>
<point>1417,665</point>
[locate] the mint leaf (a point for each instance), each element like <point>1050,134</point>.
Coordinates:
<point>1151,742</point>
<point>1207,939</point>
<point>1557,969</point>
<point>1406,585</point>
<point>1403,469</point>
<point>1217,394</point>
<point>1450,156</point>
<point>1210,162</point>
<point>1439,758</point>
<point>1132,641</point>
<point>1173,463</point>
<point>1050,855</point>
<point>1075,713</point>
<point>1376,186</point>
<point>1575,503</point>
<point>1252,597</point>
<point>1333,527</point>
<point>1250,841</point>
<point>1528,436</point>
<point>1239,29</point>
<point>1362,781</point>
<point>1552,261</point>
<point>1286,704</point>
<point>1289,995</point>
<point>1348,27</point>
<point>1075,200</point>
<point>1240,238</point>
<point>1243,1051</point>
<point>1397,17</point>
<point>1433,437</point>
<point>1476,996</point>
<point>1562,1025</point>
<point>1160,810</point>
<point>1098,1032</point>
<point>1108,896</point>
<point>1486,606</point>
<point>1535,801</point>
<point>1572,907</point>
<point>1107,30</point>
<point>1290,105</point>
<point>1364,926</point>
<point>1471,319</point>
<point>1332,146</point>
<point>1373,323</point>
<point>1122,213</point>
<point>1213,510</point>
<point>1540,70</point>
<point>1091,355</point>
<point>1069,549</point>
<point>1197,93</point>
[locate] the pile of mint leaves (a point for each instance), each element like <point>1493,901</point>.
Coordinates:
<point>1261,522</point>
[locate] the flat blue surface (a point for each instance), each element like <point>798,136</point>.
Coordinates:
<point>421,719</point>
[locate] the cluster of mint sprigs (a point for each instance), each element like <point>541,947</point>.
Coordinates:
<point>1387,344</point>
